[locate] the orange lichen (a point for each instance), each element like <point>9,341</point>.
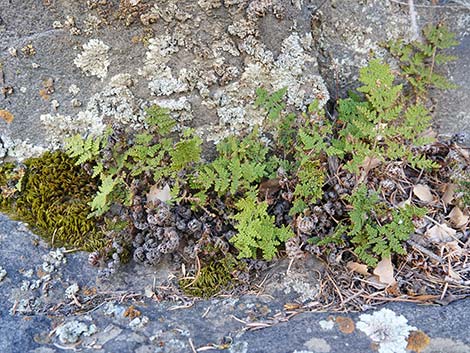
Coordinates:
<point>417,341</point>
<point>131,312</point>
<point>345,324</point>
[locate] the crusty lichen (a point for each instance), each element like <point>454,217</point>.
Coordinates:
<point>94,59</point>
<point>387,329</point>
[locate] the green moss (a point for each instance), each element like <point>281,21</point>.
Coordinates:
<point>52,197</point>
<point>464,189</point>
<point>213,277</point>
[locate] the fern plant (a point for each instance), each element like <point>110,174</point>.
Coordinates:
<point>86,149</point>
<point>241,163</point>
<point>375,230</point>
<point>152,154</point>
<point>419,59</point>
<point>311,144</point>
<point>272,103</point>
<point>256,229</point>
<point>381,126</point>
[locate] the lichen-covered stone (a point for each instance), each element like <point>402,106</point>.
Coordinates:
<point>94,58</point>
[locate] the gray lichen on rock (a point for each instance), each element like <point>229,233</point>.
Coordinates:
<point>94,59</point>
<point>71,331</point>
<point>389,330</point>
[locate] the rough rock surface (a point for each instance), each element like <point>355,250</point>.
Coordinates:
<point>67,66</point>
<point>53,302</point>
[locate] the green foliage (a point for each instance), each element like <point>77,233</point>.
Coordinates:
<point>102,201</point>
<point>241,163</point>
<point>86,149</point>
<point>9,176</point>
<point>151,153</point>
<point>159,120</point>
<point>215,275</point>
<point>281,125</point>
<point>375,230</point>
<point>186,151</point>
<point>308,190</point>
<point>382,126</point>
<point>256,229</point>
<point>53,198</point>
<point>419,59</point>
<point>464,189</point>
<point>272,103</point>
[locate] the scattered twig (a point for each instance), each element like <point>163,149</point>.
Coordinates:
<point>425,251</point>
<point>432,6</point>
<point>192,345</point>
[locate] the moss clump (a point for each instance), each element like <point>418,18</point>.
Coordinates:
<point>53,197</point>
<point>464,189</point>
<point>214,276</point>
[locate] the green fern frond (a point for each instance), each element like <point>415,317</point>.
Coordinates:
<point>160,119</point>
<point>256,229</point>
<point>187,150</point>
<point>272,103</point>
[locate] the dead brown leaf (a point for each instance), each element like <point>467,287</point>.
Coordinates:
<point>458,218</point>
<point>449,193</point>
<point>6,115</point>
<point>384,271</point>
<point>423,192</point>
<point>357,267</point>
<point>440,233</point>
<point>156,194</point>
<point>367,165</point>
<point>268,188</point>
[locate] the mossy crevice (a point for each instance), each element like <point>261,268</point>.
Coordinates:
<point>53,195</point>
<point>215,275</point>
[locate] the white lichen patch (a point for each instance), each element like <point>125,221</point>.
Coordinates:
<point>208,5</point>
<point>239,347</point>
<point>53,260</point>
<point>219,70</point>
<point>94,59</point>
<point>165,84</point>
<point>71,331</point>
<point>71,291</point>
<point>138,322</point>
<point>3,273</point>
<point>116,105</point>
<point>18,149</point>
<point>24,306</point>
<point>158,54</point>
<point>387,329</point>
<point>180,109</point>
<point>318,345</point>
<point>73,89</point>
<point>327,325</point>
<point>296,282</point>
<point>59,127</point>
<point>292,69</point>
<point>121,80</point>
